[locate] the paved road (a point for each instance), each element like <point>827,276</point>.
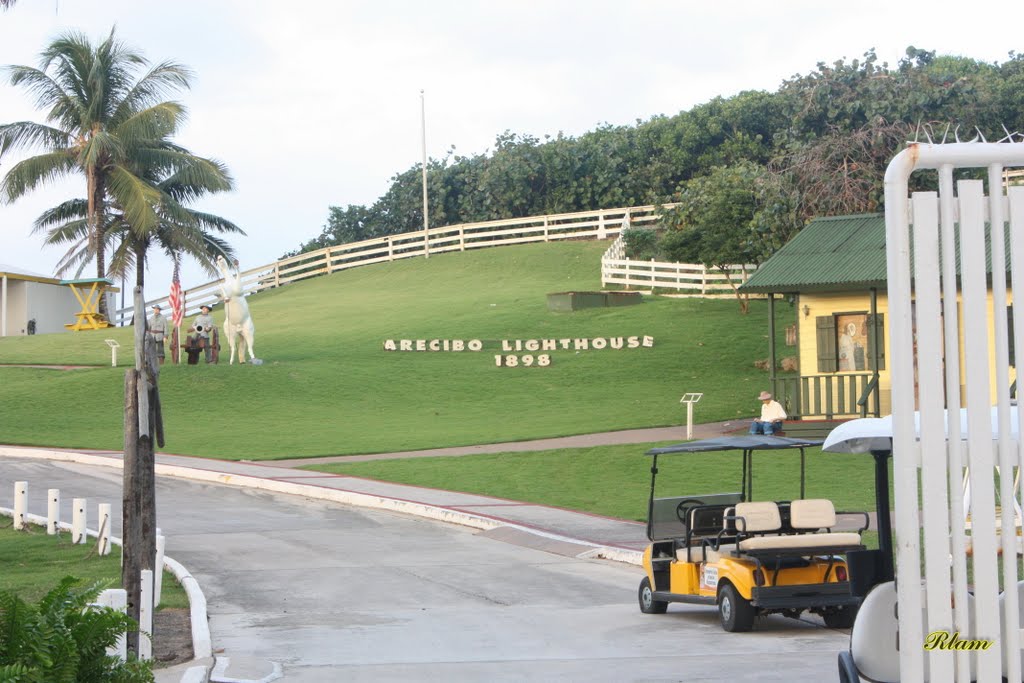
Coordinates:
<point>333,592</point>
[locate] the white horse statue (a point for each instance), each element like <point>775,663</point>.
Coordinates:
<point>237,321</point>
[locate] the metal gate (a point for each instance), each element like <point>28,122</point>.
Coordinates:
<point>944,248</point>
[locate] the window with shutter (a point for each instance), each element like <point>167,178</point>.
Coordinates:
<point>826,336</point>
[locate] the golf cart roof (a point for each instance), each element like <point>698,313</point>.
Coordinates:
<point>751,442</point>
<point>875,433</point>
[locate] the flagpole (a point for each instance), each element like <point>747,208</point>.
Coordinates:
<point>426,220</point>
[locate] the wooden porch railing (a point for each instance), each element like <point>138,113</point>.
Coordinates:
<point>828,396</point>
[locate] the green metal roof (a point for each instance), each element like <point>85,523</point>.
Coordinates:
<point>829,254</point>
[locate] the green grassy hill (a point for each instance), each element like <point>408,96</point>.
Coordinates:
<point>328,387</point>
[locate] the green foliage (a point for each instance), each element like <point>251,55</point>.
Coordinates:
<point>822,141</point>
<point>641,243</point>
<point>64,638</point>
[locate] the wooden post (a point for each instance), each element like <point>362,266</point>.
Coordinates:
<point>142,426</point>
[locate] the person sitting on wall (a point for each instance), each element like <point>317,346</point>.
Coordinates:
<point>199,337</point>
<point>771,418</point>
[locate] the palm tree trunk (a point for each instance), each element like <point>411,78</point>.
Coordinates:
<point>95,215</point>
<point>140,263</point>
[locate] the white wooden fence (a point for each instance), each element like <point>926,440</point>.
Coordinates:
<point>687,279</point>
<point>600,225</point>
<point>582,225</point>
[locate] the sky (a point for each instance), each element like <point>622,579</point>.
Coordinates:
<point>314,104</point>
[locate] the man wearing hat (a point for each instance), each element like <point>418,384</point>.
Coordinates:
<point>771,418</point>
<point>156,327</point>
<point>201,328</point>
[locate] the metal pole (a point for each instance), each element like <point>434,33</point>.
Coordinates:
<point>426,215</point>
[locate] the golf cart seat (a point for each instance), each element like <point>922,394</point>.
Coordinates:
<point>759,527</point>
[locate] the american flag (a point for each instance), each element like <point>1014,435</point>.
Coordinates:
<point>176,300</point>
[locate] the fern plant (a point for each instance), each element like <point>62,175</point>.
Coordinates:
<point>64,639</point>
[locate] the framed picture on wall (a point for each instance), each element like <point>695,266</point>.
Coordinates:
<point>852,341</point>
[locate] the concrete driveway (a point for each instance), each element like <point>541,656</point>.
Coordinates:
<point>323,592</point>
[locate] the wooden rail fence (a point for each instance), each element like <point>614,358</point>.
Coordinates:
<point>598,225</point>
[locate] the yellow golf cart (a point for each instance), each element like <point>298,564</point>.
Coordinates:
<point>747,557</point>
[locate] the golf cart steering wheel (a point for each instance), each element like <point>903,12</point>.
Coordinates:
<point>684,507</point>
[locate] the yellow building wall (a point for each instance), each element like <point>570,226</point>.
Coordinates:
<point>810,306</point>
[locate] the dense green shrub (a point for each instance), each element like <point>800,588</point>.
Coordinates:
<point>64,639</point>
<point>641,244</point>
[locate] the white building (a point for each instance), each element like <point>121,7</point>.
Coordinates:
<point>33,304</point>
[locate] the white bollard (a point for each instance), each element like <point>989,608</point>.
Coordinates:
<point>52,511</point>
<point>78,520</point>
<point>146,616</point>
<point>116,599</point>
<point>103,542</point>
<point>20,503</point>
<point>158,568</point>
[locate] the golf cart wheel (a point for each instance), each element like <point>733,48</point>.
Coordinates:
<point>840,617</point>
<point>648,605</point>
<point>736,612</point>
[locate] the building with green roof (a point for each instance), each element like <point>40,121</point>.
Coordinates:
<point>833,277</point>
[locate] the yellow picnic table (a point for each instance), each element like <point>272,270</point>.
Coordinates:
<point>88,292</point>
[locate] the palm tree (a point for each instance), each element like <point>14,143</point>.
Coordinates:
<point>180,231</point>
<point>101,120</point>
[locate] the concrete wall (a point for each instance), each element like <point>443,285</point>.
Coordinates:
<point>52,306</point>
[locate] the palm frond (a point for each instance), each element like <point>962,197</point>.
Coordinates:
<point>23,134</point>
<point>30,173</point>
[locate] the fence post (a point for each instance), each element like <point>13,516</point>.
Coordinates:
<point>78,521</point>
<point>20,501</point>
<point>652,276</point>
<point>462,238</point>
<point>327,260</point>
<point>116,599</point>
<point>602,230</point>
<point>626,268</point>
<point>146,616</point>
<point>546,238</point>
<point>158,568</point>
<point>52,511</point>
<point>703,280</point>
<point>391,248</point>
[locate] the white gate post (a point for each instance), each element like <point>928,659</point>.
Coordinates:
<point>52,511</point>
<point>146,616</point>
<point>20,503</point>
<point>78,521</point>
<point>116,599</point>
<point>103,542</point>
<point>158,568</point>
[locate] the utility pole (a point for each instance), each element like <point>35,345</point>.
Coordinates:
<point>143,425</point>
